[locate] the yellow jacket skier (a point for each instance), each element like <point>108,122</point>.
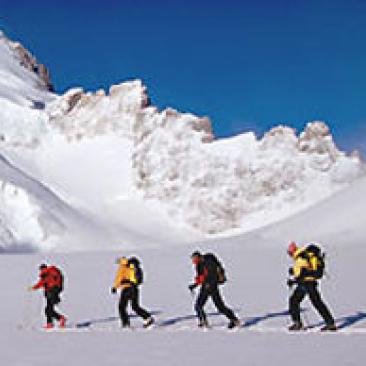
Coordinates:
<point>125,276</point>
<point>128,278</point>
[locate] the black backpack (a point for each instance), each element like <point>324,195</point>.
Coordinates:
<point>138,270</point>
<point>216,271</point>
<point>316,251</point>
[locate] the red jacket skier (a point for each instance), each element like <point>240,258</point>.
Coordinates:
<point>51,280</point>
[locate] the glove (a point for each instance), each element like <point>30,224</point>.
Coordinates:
<point>113,290</point>
<point>30,289</point>
<point>290,282</point>
<point>291,271</point>
<point>125,282</point>
<point>192,287</point>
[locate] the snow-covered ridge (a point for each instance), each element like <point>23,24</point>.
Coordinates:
<point>213,185</point>
<point>23,80</point>
<point>107,152</point>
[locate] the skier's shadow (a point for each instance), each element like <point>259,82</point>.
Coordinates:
<point>258,319</point>
<point>346,321</point>
<point>349,320</point>
<point>109,319</point>
<point>183,318</point>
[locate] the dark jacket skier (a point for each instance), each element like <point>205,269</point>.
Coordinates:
<point>305,273</point>
<point>209,274</point>
<point>51,280</point>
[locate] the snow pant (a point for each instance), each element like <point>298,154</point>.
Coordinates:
<point>213,292</point>
<point>311,289</point>
<point>52,298</point>
<point>131,294</point>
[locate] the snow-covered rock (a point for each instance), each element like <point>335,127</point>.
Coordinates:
<point>23,80</point>
<point>216,188</point>
<point>111,156</point>
<point>81,115</point>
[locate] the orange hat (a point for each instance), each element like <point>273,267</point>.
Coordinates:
<point>292,248</point>
<point>123,261</point>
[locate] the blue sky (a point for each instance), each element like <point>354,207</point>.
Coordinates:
<point>247,64</point>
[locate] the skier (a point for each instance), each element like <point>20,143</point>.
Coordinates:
<point>210,274</point>
<point>51,280</point>
<point>128,279</point>
<point>305,272</point>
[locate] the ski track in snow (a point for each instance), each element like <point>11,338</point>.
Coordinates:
<point>193,328</point>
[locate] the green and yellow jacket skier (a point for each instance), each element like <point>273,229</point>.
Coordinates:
<point>306,270</point>
<point>305,265</point>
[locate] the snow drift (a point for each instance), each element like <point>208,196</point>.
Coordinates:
<point>127,167</point>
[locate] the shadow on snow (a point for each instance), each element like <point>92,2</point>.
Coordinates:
<point>343,322</point>
<point>346,321</point>
<point>109,319</point>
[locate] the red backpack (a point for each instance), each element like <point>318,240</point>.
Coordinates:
<point>55,277</point>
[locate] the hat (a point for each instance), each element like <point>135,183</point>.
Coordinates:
<point>42,266</point>
<point>292,248</point>
<point>123,261</point>
<point>196,253</point>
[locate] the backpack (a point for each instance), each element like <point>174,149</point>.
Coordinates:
<point>57,276</point>
<point>215,268</point>
<point>315,250</point>
<point>139,275</point>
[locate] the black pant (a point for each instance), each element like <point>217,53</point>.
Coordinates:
<point>127,295</point>
<point>308,288</point>
<point>52,298</point>
<point>213,292</point>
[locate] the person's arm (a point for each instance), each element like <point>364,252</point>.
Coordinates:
<point>40,283</point>
<point>201,275</point>
<point>118,279</point>
<point>42,280</point>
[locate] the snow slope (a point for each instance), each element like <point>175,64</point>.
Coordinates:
<point>256,265</point>
<point>341,219</point>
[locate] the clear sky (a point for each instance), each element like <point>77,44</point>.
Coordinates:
<point>247,64</point>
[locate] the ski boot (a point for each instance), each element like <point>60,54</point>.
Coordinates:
<point>296,327</point>
<point>148,322</point>
<point>125,325</point>
<point>62,322</point>
<point>234,324</point>
<point>48,326</point>
<point>329,328</point>
<point>203,324</point>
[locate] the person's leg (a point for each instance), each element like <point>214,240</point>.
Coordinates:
<point>200,303</point>
<point>52,299</point>
<point>294,303</point>
<point>220,305</point>
<point>135,304</point>
<point>318,303</point>
<point>122,307</point>
<point>48,311</point>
